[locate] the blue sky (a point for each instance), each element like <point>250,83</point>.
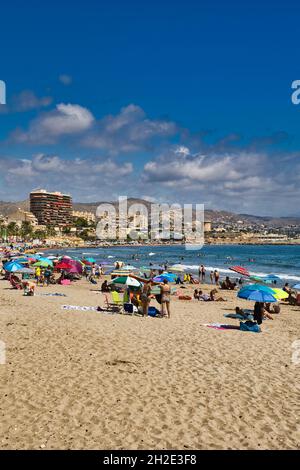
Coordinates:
<point>179,101</point>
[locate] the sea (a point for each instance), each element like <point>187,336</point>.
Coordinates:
<point>260,260</point>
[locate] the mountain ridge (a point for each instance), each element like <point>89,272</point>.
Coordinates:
<point>11,208</point>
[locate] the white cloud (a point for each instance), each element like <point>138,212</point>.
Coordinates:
<point>66,119</point>
<point>84,178</point>
<point>26,100</point>
<point>243,181</point>
<point>128,131</point>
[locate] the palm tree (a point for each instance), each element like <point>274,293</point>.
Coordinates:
<point>12,229</point>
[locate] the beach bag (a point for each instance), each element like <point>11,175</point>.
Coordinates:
<point>65,282</point>
<point>152,311</point>
<point>93,281</point>
<point>250,326</point>
<point>184,297</point>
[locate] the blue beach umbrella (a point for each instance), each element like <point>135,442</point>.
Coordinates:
<point>90,260</point>
<point>257,295</point>
<point>12,266</point>
<point>260,287</point>
<point>271,278</point>
<point>20,260</point>
<point>168,276</point>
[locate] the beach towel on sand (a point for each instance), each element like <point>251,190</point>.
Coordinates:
<point>244,326</point>
<point>78,307</point>
<point>220,326</point>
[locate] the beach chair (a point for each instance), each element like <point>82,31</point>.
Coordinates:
<point>116,300</point>
<point>111,306</point>
<point>16,284</point>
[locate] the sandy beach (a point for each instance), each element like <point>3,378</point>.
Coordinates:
<point>90,380</point>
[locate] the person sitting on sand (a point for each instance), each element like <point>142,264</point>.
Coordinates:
<point>105,287</point>
<point>260,313</point>
<point>227,284</point>
<point>196,294</point>
<point>193,280</point>
<point>287,288</point>
<point>240,311</point>
<point>275,309</point>
<point>203,297</point>
<point>212,296</point>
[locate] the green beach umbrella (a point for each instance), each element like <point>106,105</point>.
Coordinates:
<point>126,280</point>
<point>43,264</point>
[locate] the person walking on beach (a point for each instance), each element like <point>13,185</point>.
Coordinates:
<point>165,298</point>
<point>211,277</point>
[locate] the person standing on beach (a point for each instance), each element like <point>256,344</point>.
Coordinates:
<point>211,277</point>
<point>202,273</point>
<point>217,277</point>
<point>145,298</point>
<point>165,298</point>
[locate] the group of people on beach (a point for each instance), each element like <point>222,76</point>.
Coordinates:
<point>214,275</point>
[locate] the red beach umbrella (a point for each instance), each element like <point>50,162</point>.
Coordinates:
<point>240,270</point>
<point>63,266</point>
<point>87,262</point>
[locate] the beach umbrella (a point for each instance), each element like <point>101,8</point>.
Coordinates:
<point>256,295</point>
<point>258,287</point>
<point>121,272</point>
<point>43,264</point>
<point>21,260</point>
<point>76,264</point>
<point>280,294</point>
<point>90,260</point>
<point>25,271</point>
<point>168,276</point>
<point>256,279</point>
<point>88,263</point>
<point>63,265</point>
<point>126,280</point>
<point>12,266</point>
<point>240,270</point>
<point>272,277</point>
<point>73,269</point>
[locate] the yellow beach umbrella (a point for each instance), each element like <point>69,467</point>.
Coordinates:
<point>280,294</point>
